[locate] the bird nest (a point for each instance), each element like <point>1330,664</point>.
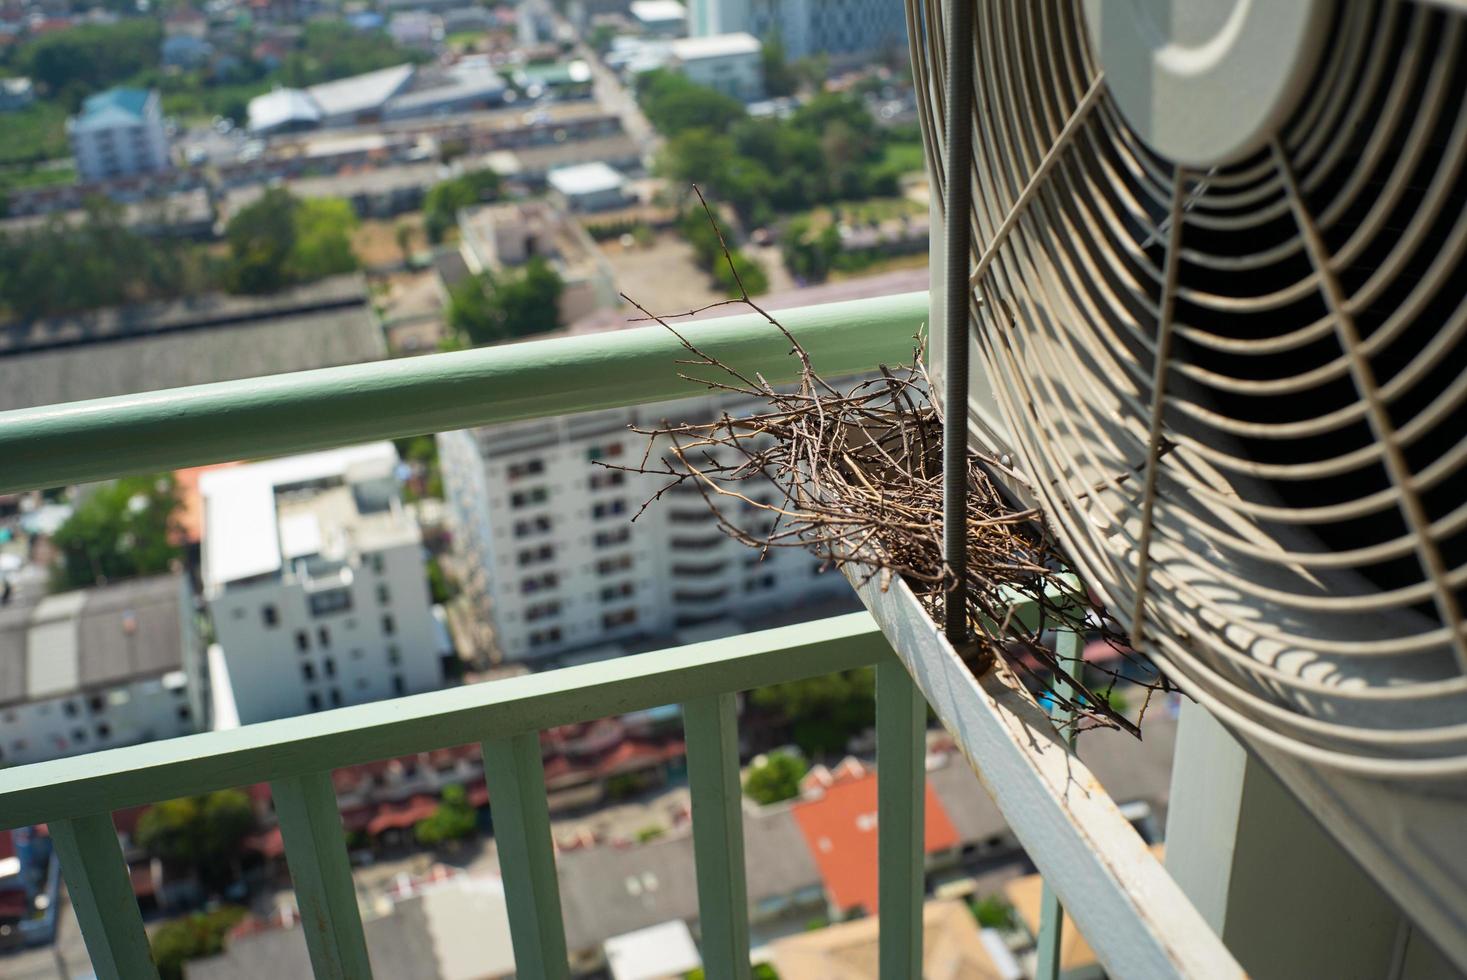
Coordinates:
<point>852,472</point>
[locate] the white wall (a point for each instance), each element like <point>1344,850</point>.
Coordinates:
<point>266,664</point>
<point>104,151</point>
<point>142,710</point>
<point>666,557</point>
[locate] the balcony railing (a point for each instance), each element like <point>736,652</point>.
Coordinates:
<point>1131,911</point>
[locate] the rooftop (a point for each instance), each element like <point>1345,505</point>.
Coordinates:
<point>664,950</point>
<point>715,46</point>
<point>123,103</point>
<point>953,949</point>
<point>555,234</point>
<point>658,11</point>
<point>586,178</point>
<point>262,518</point>
<point>839,824</point>
<point>360,93</point>
<point>90,639</point>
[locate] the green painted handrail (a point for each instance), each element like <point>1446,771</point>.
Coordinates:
<point>94,440</point>
<point>274,750</point>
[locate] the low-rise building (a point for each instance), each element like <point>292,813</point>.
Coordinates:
<point>729,63</point>
<point>499,236</point>
<point>313,572</point>
<point>589,186</point>
<point>119,132</point>
<point>98,668</point>
<point>416,29</point>
<point>660,18</point>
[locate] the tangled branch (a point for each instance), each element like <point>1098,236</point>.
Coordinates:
<point>853,474</point>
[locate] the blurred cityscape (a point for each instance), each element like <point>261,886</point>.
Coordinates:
<point>199,192</point>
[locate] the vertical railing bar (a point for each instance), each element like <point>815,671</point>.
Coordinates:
<point>901,790</point>
<point>101,894</point>
<point>516,778</point>
<point>710,726</point>
<point>320,870</point>
<point>1068,654</point>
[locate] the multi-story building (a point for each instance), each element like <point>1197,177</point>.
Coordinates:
<point>561,566</point>
<point>98,668</point>
<point>843,29</point>
<point>313,572</point>
<point>119,132</point>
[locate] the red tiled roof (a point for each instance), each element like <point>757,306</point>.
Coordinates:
<point>402,816</point>
<point>267,843</point>
<point>840,829</point>
<point>188,520</point>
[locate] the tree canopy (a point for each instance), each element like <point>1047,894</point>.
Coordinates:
<point>331,49</point>
<point>88,58</point>
<point>120,530</point>
<point>453,820</point>
<point>446,198</point>
<point>281,240</point>
<point>674,104</point>
<point>777,778</point>
<point>193,936</point>
<point>823,713</point>
<point>491,307</point>
<point>202,833</point>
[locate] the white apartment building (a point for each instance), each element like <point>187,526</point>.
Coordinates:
<point>119,132</point>
<point>313,572</point>
<point>99,668</point>
<point>560,565</point>
<point>845,30</point>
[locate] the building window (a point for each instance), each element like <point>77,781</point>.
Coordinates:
<point>399,687</point>
<point>759,584</point>
<point>377,563</point>
<point>531,556</point>
<point>384,595</point>
<point>542,638</point>
<point>701,595</point>
<point>104,730</point>
<point>394,655</point>
<point>302,641</point>
<point>532,525</point>
<point>538,583</point>
<point>701,570</point>
<point>389,625</point>
<point>691,516</point>
<point>611,593</point>
<point>541,610</point>
<point>184,713</point>
<point>69,709</point>
<point>607,478</point>
<point>330,601</point>
<point>270,615</point>
<point>324,636</point>
<point>622,617</point>
<point>618,535</point>
<point>78,734</point>
<point>608,508</point>
<point>610,566</point>
<point>528,498</point>
<point>330,666</point>
<point>308,671</point>
<point>697,544</point>
<point>314,700</point>
<point>528,467</point>
<point>335,698</point>
<point>96,703</point>
<point>610,450</point>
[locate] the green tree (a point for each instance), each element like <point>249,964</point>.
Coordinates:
<point>993,912</point>
<point>332,49</point>
<point>673,104</point>
<point>202,833</point>
<point>823,712</point>
<point>200,934</point>
<point>323,229</point>
<point>280,241</point>
<point>446,198</point>
<point>777,778</point>
<point>121,530</point>
<point>491,307</point>
<point>261,238</point>
<point>810,255</point>
<point>453,820</point>
<point>79,61</point>
<point>780,79</point>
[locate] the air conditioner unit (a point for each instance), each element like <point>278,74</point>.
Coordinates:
<point>1219,322</point>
